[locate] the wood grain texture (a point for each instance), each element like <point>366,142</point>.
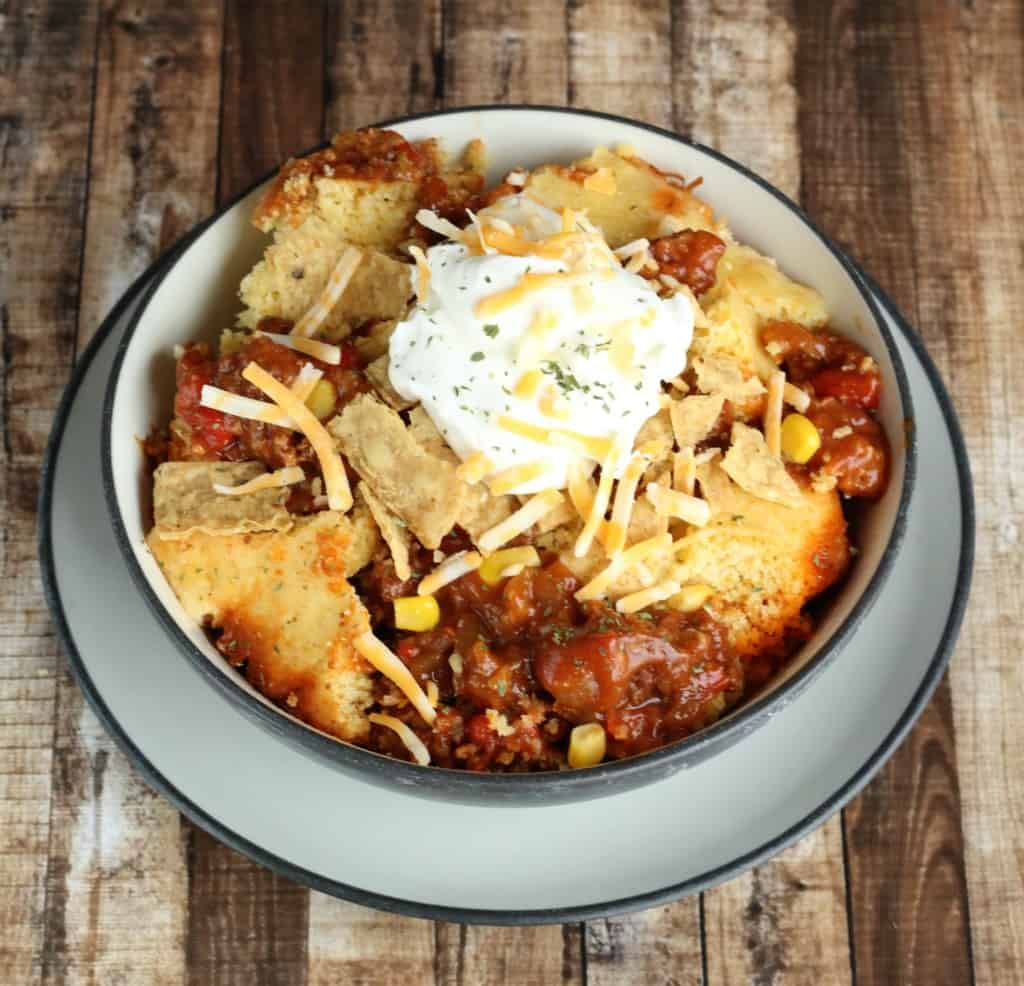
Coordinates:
<point>986,280</point>
<point>874,170</point>
<point>154,148</point>
<point>497,52</point>
<point>46,52</point>
<point>478,956</point>
<point>272,103</point>
<point>351,945</point>
<point>116,850</point>
<point>661,946</point>
<point>383,60</point>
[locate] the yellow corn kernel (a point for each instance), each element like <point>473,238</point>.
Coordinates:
<point>800,439</point>
<point>492,567</point>
<point>691,597</point>
<point>417,613</point>
<point>587,745</point>
<point>322,399</point>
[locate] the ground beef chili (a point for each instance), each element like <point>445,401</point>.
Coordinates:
<point>690,256</point>
<point>542,662</point>
<point>211,435</point>
<point>846,387</point>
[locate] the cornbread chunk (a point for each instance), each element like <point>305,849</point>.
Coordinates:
<point>294,272</point>
<point>185,502</point>
<point>749,291</point>
<point>418,487</point>
<point>627,200</point>
<point>764,561</point>
<point>285,610</point>
<point>367,186</point>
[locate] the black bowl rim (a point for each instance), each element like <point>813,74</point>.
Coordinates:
<point>548,787</point>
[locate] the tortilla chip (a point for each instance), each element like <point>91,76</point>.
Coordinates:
<point>394,532</point>
<point>420,488</point>
<point>656,432</point>
<point>721,375</point>
<point>751,465</point>
<point>286,610</point>
<point>694,417</point>
<point>377,374</point>
<point>185,502</point>
<point>374,343</point>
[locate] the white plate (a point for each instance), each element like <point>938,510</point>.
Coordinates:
<point>499,864</point>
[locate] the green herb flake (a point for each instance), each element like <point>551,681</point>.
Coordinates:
<point>490,330</point>
<point>476,357</point>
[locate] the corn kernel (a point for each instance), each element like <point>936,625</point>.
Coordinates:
<point>587,745</point>
<point>690,597</point>
<point>417,613</point>
<point>322,399</point>
<point>493,567</point>
<point>800,439</point>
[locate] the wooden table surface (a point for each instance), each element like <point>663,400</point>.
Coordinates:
<point>898,125</point>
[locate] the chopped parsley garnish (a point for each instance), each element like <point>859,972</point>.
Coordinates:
<point>566,382</point>
<point>476,357</point>
<point>490,330</point>
<point>561,634</point>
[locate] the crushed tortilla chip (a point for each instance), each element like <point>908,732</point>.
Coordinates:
<point>753,467</point>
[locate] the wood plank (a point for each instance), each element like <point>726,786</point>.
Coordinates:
<point>733,89</point>
<point>46,50</point>
<point>983,336</point>
<point>154,148</point>
<point>384,60</point>
<point>497,52</point>
<point>351,945</point>
<point>116,851</point>
<point>246,924</point>
<point>620,61</point>
<point>783,922</point>
<point>472,955</point>
<point>273,93</point>
<point>884,141</point>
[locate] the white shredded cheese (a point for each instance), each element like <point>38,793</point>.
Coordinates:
<point>270,480</point>
<point>410,740</point>
<point>391,666</point>
<point>452,568</point>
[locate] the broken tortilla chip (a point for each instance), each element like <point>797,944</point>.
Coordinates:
<point>694,417</point>
<point>395,534</point>
<point>185,501</point>
<point>721,375</point>
<point>753,467</point>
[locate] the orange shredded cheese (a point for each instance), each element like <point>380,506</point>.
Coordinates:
<point>508,479</point>
<point>474,468</point>
<point>637,601</point>
<point>339,494</point>
<point>773,412</point>
<point>622,562</point>
<point>391,666</point>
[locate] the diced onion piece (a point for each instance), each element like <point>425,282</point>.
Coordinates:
<point>339,494</point>
<point>637,601</point>
<point>322,351</point>
<point>449,570</point>
<point>391,666</point>
<point>411,741</point>
<point>672,503</point>
<point>524,518</point>
<point>417,613</point>
<point>622,562</point>
<point>494,567</point>
<point>773,412</point>
<point>796,397</point>
<point>587,745</point>
<point>270,480</point>
<point>508,479</point>
<point>474,468</point>
<point>346,266</point>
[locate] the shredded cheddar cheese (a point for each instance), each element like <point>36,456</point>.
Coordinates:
<point>268,481</point>
<point>389,665</point>
<point>522,520</point>
<point>310,323</point>
<point>452,568</point>
<point>339,495</point>
<point>409,739</point>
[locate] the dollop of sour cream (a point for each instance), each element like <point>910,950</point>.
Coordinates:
<point>539,356</point>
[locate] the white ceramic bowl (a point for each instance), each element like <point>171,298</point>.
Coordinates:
<point>194,296</point>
